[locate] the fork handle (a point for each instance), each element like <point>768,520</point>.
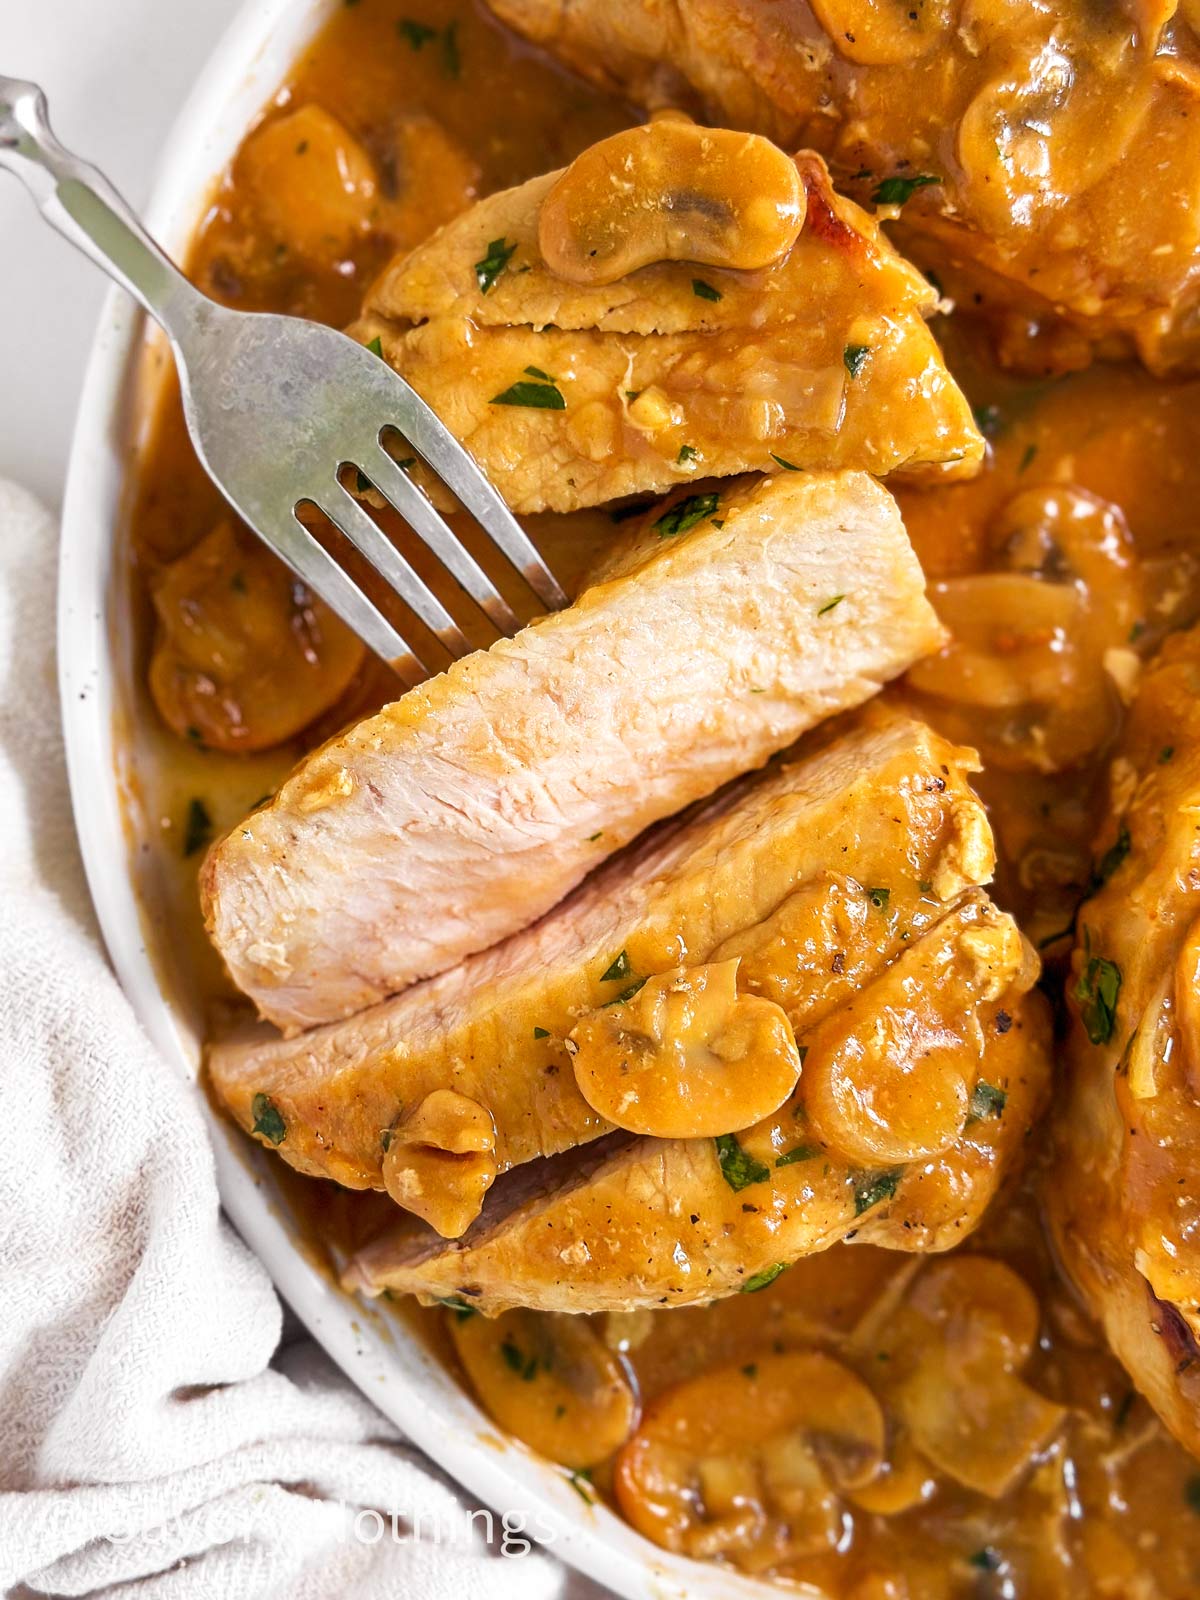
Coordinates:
<point>80,202</point>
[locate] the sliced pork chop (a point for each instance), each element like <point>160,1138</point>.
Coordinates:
<point>821,361</point>
<point>734,621</point>
<point>812,875</point>
<point>1008,185</point>
<point>640,1222</point>
<point>1123,1194</point>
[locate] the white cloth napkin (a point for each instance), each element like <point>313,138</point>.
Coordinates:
<point>151,1439</point>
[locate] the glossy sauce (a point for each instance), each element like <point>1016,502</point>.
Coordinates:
<point>446,106</point>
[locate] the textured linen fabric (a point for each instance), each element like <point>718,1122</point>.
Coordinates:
<point>153,1440</point>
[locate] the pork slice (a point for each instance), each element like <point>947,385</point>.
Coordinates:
<point>633,1222</point>
<point>877,799</point>
<point>469,807</point>
<point>660,381</point>
<point>930,94</point>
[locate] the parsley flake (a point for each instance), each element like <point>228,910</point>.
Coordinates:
<point>686,514</point>
<point>268,1120</point>
<point>487,270</point>
<point>738,1167</point>
<point>376,347</point>
<point>788,466</point>
<point>541,1033</point>
<point>760,1280</point>
<point>538,396</point>
<point>986,1101</point>
<point>802,1152</point>
<point>855,358</point>
<point>687,452</point>
<point>705,291</point>
<point>829,604</point>
<point>460,1307</point>
<point>896,191</point>
<point>879,898</point>
<point>1097,991</point>
<point>871,1188</point>
<point>417,34</point>
<point>620,968</point>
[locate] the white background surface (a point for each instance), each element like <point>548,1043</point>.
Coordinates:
<point>116,72</point>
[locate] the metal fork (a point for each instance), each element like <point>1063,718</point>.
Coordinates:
<point>279,407</point>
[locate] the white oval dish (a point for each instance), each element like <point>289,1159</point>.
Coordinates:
<point>392,1369</point>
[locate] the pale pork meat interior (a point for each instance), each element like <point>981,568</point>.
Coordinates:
<point>764,873</point>
<point>466,809</point>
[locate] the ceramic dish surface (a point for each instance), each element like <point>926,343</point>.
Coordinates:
<point>406,1382</point>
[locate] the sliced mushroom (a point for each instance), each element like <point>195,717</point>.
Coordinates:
<point>245,656</point>
<point>1041,133</point>
<point>313,185</point>
<point>550,1381</point>
<point>671,191</point>
<point>1041,645</point>
<point>440,1160</point>
<point>885,32</point>
<point>888,1077</point>
<point>954,1349</point>
<point>749,1462</point>
<point>687,1056</point>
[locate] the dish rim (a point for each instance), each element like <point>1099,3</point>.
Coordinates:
<point>239,79</point>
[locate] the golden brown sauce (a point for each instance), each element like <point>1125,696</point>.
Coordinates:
<point>1090,483</point>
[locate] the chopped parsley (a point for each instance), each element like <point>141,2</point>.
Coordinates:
<point>986,1101</point>
<point>1112,858</point>
<point>738,1167</point>
<point>238,583</point>
<point>581,1482</point>
<point>686,514</point>
<point>829,604</point>
<point>872,1187</point>
<point>986,1560</point>
<point>855,358</point>
<point>197,828</point>
<point>1031,450</point>
<point>1165,754</point>
<point>460,1307</point>
<point>897,191</point>
<point>541,1033</point>
<point>385,1139</point>
<point>539,396</point>
<point>499,254</point>
<point>417,34</point>
<point>760,1280</point>
<point>620,968</point>
<point>802,1152</point>
<point>376,347</point>
<point>750,1370</point>
<point>1191,1493</point>
<point>1097,991</point>
<point>627,994</point>
<point>362,484</point>
<point>536,372</point>
<point>788,466</point>
<point>687,452</point>
<point>1121,1414</point>
<point>451,57</point>
<point>268,1121</point>
<point>879,898</point>
<point>516,1361</point>
<point>705,291</point>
